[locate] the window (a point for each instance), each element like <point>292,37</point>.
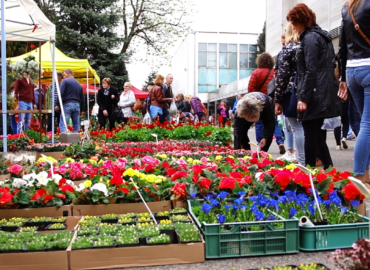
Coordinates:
<point>228,63</point>
<point>247,60</point>
<point>207,67</point>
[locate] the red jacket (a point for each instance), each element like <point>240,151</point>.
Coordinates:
<point>257,78</point>
<point>24,91</point>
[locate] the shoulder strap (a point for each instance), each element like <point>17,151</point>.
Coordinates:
<point>357,27</point>
<point>259,89</point>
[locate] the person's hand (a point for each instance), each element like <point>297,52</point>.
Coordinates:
<point>34,107</point>
<point>262,143</point>
<point>56,108</point>
<point>278,109</point>
<point>112,96</point>
<point>16,108</point>
<point>343,91</point>
<point>105,113</point>
<point>301,106</point>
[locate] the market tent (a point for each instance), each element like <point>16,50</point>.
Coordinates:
<point>26,22</point>
<point>138,93</point>
<point>92,89</point>
<point>62,62</point>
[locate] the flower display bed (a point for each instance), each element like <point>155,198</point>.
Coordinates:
<point>65,210</point>
<point>236,242</point>
<point>326,237</point>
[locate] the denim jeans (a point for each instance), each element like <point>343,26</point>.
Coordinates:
<point>358,81</point>
<point>354,117</point>
<point>24,118</point>
<point>288,135</point>
<point>71,110</point>
<point>13,124</point>
<point>298,138</point>
<point>277,132</point>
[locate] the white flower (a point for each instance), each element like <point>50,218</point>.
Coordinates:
<point>42,177</point>
<point>80,187</point>
<point>101,187</point>
<point>18,182</point>
<point>56,178</point>
<point>29,176</point>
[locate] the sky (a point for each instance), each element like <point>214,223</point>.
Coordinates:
<point>246,16</point>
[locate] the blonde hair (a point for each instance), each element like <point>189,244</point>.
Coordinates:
<point>107,80</point>
<point>291,34</point>
<point>250,106</point>
<point>128,84</point>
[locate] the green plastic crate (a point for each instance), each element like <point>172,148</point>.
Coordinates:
<point>326,237</point>
<point>239,243</point>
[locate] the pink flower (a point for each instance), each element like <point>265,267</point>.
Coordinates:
<point>15,169</point>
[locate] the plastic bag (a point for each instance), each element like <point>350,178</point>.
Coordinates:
<point>95,110</point>
<point>331,123</point>
<point>147,119</point>
<point>173,108</point>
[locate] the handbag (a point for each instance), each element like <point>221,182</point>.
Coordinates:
<point>204,109</point>
<point>117,112</point>
<point>137,106</point>
<point>331,123</point>
<point>173,108</point>
<point>291,98</point>
<point>357,27</point>
<point>271,88</point>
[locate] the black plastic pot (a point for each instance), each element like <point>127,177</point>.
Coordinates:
<point>110,221</point>
<point>9,228</point>
<point>147,242</point>
<point>48,228</point>
<point>172,234</point>
<point>41,225</point>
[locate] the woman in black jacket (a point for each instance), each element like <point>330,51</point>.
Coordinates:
<point>317,87</point>
<point>354,52</point>
<point>107,99</point>
<point>251,108</point>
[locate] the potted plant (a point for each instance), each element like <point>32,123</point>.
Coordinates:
<point>162,215</point>
<point>61,244</point>
<point>12,246</point>
<point>313,266</point>
<point>35,245</point>
<point>109,218</point>
<point>179,211</point>
<point>144,217</point>
<point>83,242</point>
<point>162,239</point>
<point>127,220</point>
<point>4,163</point>
<point>57,220</point>
<point>11,226</point>
<point>166,224</point>
<point>28,229</point>
<point>107,228</point>
<point>87,231</point>
<point>142,225</point>
<point>128,215</point>
<point>56,226</point>
<point>147,232</point>
<point>180,218</point>
<point>25,235</point>
<point>285,267</point>
<point>89,223</point>
<point>104,241</point>
<point>127,238</point>
<point>188,236</point>
<point>45,237</point>
<point>40,222</point>
<point>62,235</point>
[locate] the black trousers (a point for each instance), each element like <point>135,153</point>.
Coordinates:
<point>56,120</point>
<point>103,120</point>
<point>241,139</point>
<point>315,144</point>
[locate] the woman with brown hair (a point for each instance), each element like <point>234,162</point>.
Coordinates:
<point>354,53</point>
<point>157,101</point>
<point>107,99</point>
<point>316,84</point>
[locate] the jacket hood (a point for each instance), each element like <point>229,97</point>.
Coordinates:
<point>317,29</point>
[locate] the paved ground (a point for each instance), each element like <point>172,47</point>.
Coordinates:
<point>342,160</point>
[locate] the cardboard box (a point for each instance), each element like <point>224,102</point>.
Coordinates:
<point>65,210</point>
<point>56,260</point>
<point>179,204</point>
<point>4,177</point>
<point>104,258</point>
<point>122,208</point>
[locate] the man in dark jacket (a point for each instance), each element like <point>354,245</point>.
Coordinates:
<point>253,107</point>
<point>167,93</point>
<point>72,100</point>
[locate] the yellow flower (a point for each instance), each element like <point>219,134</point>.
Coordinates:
<point>101,162</point>
<point>100,179</point>
<point>107,182</point>
<point>159,179</point>
<point>163,156</point>
<point>291,166</point>
<point>218,158</point>
<point>92,161</point>
<point>69,160</point>
<point>87,183</point>
<point>247,157</point>
<point>230,156</point>
<point>182,157</point>
<point>130,172</point>
<point>196,161</point>
<point>150,178</point>
<point>189,160</point>
<point>47,159</point>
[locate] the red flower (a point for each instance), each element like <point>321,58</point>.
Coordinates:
<point>15,191</point>
<point>116,180</point>
<point>208,133</point>
<point>227,183</point>
<point>170,171</point>
<point>205,182</point>
<point>321,177</point>
<point>125,190</point>
<point>195,178</point>
<point>283,179</point>
<point>303,180</point>
<point>253,161</point>
<point>5,198</point>
<point>279,162</point>
<point>47,198</point>
<point>352,193</point>
<point>38,194</point>
<point>236,175</point>
<point>165,165</point>
<point>61,196</point>
<point>179,190</point>
<point>67,187</point>
<point>62,182</point>
<point>179,175</point>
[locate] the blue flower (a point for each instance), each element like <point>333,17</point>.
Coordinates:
<point>243,207</point>
<point>241,194</point>
<point>193,196</point>
<point>355,204</point>
<point>215,203</point>
<point>271,217</point>
<point>336,200</point>
<point>327,204</point>
<point>259,215</point>
<point>238,201</point>
<point>292,212</point>
<point>206,207</point>
<point>235,207</point>
<point>227,207</point>
<point>311,209</point>
<point>221,218</point>
<point>222,196</point>
<point>208,197</point>
<point>254,208</point>
<point>343,209</point>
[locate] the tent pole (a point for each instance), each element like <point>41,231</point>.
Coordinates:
<point>87,92</point>
<point>41,102</point>
<point>3,75</point>
<point>53,94</point>
<point>95,89</point>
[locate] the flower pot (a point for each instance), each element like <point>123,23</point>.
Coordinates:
<point>142,241</point>
<point>20,228</point>
<point>186,242</point>
<point>172,234</point>
<point>48,227</point>
<point>9,228</point>
<point>128,245</point>
<point>4,176</point>
<point>110,221</point>
<point>147,242</point>
<point>324,267</point>
<point>159,218</point>
<point>41,225</point>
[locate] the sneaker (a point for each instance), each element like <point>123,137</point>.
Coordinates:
<point>338,147</point>
<point>282,149</point>
<point>344,143</point>
<point>288,157</point>
<point>351,137</point>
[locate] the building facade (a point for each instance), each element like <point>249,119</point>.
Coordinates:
<point>328,17</point>
<point>206,61</point>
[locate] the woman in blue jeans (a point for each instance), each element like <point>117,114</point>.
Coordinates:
<point>354,51</point>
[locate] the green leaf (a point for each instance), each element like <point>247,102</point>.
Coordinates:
<point>323,186</point>
<point>23,197</point>
<point>70,195</point>
<point>95,198</point>
<point>57,202</point>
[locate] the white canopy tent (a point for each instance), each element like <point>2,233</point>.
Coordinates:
<point>22,20</point>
